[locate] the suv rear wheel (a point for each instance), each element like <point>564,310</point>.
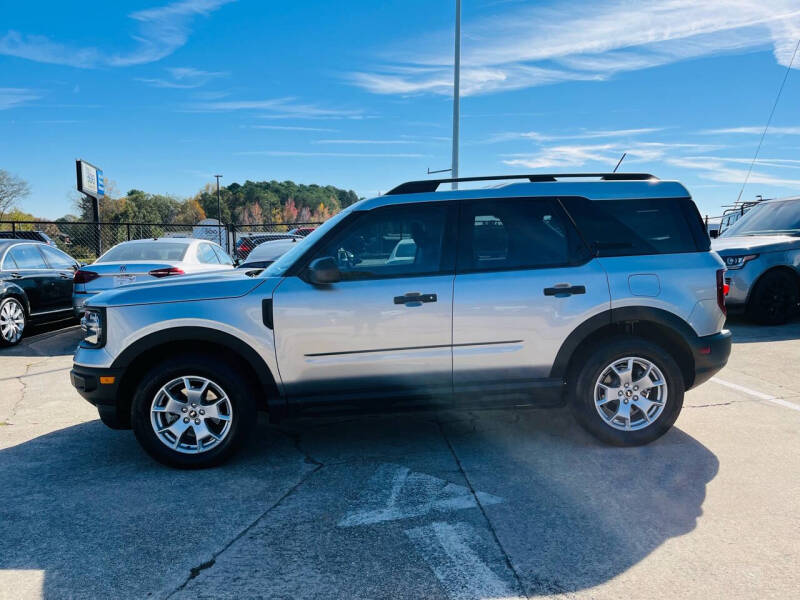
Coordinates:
<point>193,411</point>
<point>774,299</point>
<point>627,391</point>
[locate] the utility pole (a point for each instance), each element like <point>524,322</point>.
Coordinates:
<point>219,212</point>
<point>456,93</point>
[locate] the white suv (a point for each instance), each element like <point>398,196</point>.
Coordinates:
<point>600,292</point>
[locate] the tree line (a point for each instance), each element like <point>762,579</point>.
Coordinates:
<point>250,203</point>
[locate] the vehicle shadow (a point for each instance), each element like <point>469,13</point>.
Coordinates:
<point>87,508</point>
<point>745,332</point>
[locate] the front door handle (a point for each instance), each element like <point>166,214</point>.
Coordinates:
<point>564,290</point>
<point>414,299</point>
<point>16,276</point>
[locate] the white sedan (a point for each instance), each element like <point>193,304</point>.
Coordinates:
<point>146,260</point>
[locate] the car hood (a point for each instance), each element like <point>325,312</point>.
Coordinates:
<point>183,288</point>
<point>745,244</point>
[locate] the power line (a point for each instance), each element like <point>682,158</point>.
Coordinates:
<point>769,120</point>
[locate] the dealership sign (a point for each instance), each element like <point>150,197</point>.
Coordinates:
<point>90,179</point>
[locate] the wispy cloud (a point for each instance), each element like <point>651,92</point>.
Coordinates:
<point>568,40</point>
<point>584,135</point>
<point>277,108</point>
<point>159,32</point>
<point>13,97</point>
<point>756,130</point>
<point>294,128</point>
<point>184,78</point>
<point>366,142</point>
<point>716,169</point>
<point>327,154</point>
<point>578,155</point>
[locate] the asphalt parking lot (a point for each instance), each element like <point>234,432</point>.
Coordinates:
<point>457,505</point>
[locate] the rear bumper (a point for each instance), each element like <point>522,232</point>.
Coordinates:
<point>710,353</point>
<point>79,301</point>
<point>88,383</point>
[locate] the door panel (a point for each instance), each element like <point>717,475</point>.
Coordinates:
<point>386,327</point>
<point>351,336</point>
<point>524,283</point>
<point>505,329</point>
<point>32,275</point>
<point>61,274</point>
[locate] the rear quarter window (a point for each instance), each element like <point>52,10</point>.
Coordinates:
<point>637,227</point>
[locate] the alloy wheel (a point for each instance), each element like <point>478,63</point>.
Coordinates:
<point>12,321</point>
<point>630,393</point>
<point>191,414</point>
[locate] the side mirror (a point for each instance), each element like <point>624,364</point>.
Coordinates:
<point>714,233</point>
<point>323,271</point>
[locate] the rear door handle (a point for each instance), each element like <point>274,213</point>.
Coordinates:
<point>564,290</point>
<point>414,298</point>
<point>65,276</point>
<point>16,276</point>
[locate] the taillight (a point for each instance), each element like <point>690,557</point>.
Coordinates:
<point>166,272</point>
<point>721,290</point>
<point>82,276</point>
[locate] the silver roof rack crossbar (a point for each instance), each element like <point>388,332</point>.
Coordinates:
<point>431,185</point>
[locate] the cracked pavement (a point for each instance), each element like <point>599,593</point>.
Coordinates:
<point>454,505</point>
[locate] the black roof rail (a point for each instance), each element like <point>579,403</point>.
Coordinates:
<point>431,185</point>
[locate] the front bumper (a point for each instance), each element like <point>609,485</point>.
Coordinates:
<point>87,380</point>
<point>710,353</point>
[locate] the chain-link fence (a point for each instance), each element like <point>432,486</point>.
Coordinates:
<point>85,241</point>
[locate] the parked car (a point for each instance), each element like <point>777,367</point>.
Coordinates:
<point>35,236</point>
<point>246,243</point>
<point>601,293</point>
<point>761,251</point>
<point>267,253</point>
<point>302,231</point>
<point>151,260</point>
<point>35,287</point>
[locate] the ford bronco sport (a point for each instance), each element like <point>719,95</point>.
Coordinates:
<point>597,290</point>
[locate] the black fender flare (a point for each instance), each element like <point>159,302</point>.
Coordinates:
<point>266,380</point>
<point>626,314</point>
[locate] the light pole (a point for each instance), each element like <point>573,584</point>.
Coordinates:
<point>456,94</point>
<point>219,211</point>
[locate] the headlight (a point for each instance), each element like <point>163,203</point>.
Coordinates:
<point>93,325</point>
<point>737,262</point>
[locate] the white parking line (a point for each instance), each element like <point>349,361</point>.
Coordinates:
<point>395,492</point>
<point>464,576</point>
<point>755,394</point>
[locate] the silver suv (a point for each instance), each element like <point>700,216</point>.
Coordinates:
<point>762,253</point>
<point>601,292</point>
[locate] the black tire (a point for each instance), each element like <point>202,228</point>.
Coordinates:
<point>594,361</point>
<point>230,380</point>
<point>5,305</point>
<point>774,299</point>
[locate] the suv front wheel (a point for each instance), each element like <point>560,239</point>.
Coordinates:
<point>193,412</point>
<point>627,391</point>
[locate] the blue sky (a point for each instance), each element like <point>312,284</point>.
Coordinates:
<point>161,95</point>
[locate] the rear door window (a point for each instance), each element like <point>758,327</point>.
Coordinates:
<point>517,233</point>
<point>27,256</point>
<point>206,255</point>
<point>637,227</point>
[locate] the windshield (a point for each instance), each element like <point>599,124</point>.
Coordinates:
<point>768,218</point>
<point>280,266</point>
<point>145,251</point>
